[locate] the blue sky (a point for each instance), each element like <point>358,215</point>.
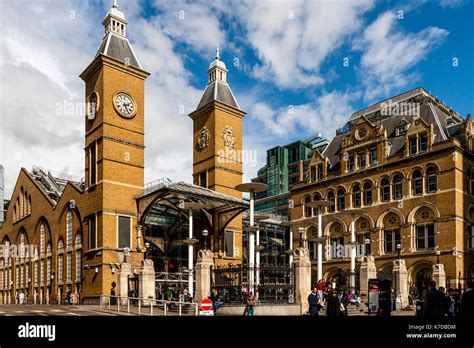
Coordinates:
<point>290,75</point>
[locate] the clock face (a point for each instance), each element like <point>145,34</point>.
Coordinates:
<point>361,133</point>
<point>125,105</point>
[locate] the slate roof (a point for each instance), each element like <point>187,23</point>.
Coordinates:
<point>219,91</point>
<point>119,48</point>
<point>430,110</point>
<point>52,186</point>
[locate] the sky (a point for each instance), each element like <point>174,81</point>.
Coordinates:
<point>296,67</point>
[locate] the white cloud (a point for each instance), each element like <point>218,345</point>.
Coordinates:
<point>327,113</point>
<point>389,54</point>
<point>292,38</point>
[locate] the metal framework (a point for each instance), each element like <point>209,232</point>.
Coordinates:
<point>277,283</point>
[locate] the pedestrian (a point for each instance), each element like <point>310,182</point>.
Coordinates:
<point>250,303</point>
<point>413,294</point>
<point>21,297</point>
<point>320,288</point>
<point>449,307</point>
<point>333,307</point>
<point>314,302</point>
<point>467,301</point>
<point>434,302</point>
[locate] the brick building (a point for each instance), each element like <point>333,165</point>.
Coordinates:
<point>408,164</point>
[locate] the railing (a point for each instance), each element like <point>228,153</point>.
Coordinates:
<point>148,306</point>
<point>276,283</point>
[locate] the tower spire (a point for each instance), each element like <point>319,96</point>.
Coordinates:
<point>217,69</point>
<point>115,21</point>
<point>218,56</point>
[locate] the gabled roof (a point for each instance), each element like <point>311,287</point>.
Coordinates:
<point>219,91</point>
<point>51,185</point>
<point>430,110</point>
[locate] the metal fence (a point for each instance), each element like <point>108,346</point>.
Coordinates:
<point>142,306</point>
<point>276,283</point>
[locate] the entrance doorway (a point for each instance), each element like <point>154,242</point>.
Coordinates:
<point>422,278</point>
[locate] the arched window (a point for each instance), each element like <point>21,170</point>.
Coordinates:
<point>337,241</point>
<point>363,234</point>
<point>330,197</point>
<point>60,261</point>
<point>397,187</point>
<point>356,196</point>
<point>368,193</point>
<point>78,247</point>
<point>384,190</point>
<point>307,210</point>
<point>317,197</point>
<point>417,183</point>
<point>431,179</point>
<point>48,264</point>
<point>425,229</point>
<point>69,228</point>
<point>392,235</point>
<point>341,199</point>
<point>312,233</point>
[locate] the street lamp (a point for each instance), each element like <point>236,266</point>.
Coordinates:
<point>126,253</point>
<point>353,212</point>
<point>251,188</point>
<point>320,204</point>
<point>190,241</point>
<point>438,253</point>
<point>399,250</point>
<point>205,233</point>
<point>301,233</point>
<point>367,244</point>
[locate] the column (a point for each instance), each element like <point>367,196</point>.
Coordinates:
<point>320,244</point>
<point>439,276</point>
<point>367,271</point>
<point>139,229</point>
<point>291,245</point>
<point>257,259</point>
<point>190,256</point>
<point>146,279</point>
<point>204,263</point>
<point>302,278</point>
<point>124,273</point>
<point>251,247</point>
<point>401,281</point>
<point>353,252</point>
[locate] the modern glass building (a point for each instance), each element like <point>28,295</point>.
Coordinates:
<point>286,165</point>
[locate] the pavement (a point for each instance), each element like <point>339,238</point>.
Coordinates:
<point>54,310</point>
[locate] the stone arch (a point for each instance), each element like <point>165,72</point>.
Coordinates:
<point>368,218</point>
<point>412,213</point>
<point>431,164</point>
<point>388,211</point>
<point>327,228</point>
<point>414,277</point>
<point>387,267</point>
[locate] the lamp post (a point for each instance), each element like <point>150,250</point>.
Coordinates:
<point>258,248</point>
<point>301,233</point>
<point>205,233</point>
<point>251,188</point>
<point>290,241</point>
<point>438,253</point>
<point>353,213</point>
<point>190,241</point>
<point>399,250</point>
<point>319,205</point>
<point>367,244</point>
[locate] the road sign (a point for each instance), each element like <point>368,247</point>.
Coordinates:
<point>206,305</point>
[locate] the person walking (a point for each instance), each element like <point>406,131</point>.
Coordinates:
<point>314,302</point>
<point>21,297</point>
<point>434,302</point>
<point>250,303</point>
<point>449,303</point>
<point>333,307</point>
<point>467,301</point>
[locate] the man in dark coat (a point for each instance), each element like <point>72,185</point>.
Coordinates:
<point>434,302</point>
<point>313,302</point>
<point>333,308</point>
<point>467,301</point>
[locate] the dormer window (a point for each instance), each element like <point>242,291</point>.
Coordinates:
<point>401,130</point>
<point>423,143</point>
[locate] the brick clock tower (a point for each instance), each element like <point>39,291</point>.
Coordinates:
<point>217,149</point>
<point>114,153</point>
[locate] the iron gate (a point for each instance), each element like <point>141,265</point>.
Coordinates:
<point>344,280</point>
<point>276,285</point>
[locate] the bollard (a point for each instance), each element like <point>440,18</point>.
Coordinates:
<point>139,307</point>
<point>165,309</point>
<point>180,309</point>
<point>151,308</point>
<point>118,304</point>
<point>128,305</point>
